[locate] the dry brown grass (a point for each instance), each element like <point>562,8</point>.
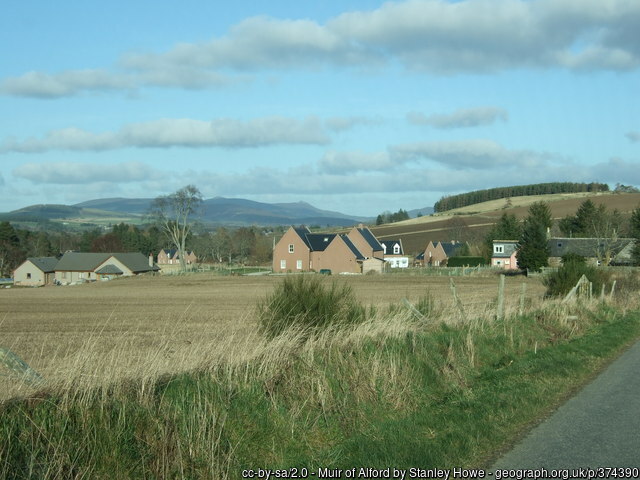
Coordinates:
<point>142,327</point>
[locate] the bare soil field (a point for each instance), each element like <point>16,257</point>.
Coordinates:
<point>417,232</point>
<point>145,326</point>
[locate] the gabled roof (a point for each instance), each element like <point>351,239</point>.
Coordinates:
<point>109,269</point>
<point>88,262</point>
<point>448,247</point>
<point>352,247</point>
<point>302,233</point>
<point>135,261</point>
<point>586,247</point>
<point>318,242</point>
<point>370,238</point>
<point>46,264</point>
<point>81,262</point>
<point>389,244</point>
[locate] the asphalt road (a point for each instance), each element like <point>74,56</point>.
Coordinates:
<point>599,427</point>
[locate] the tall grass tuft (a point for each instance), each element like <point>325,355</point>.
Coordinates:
<point>306,303</point>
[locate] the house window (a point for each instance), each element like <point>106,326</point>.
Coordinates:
<point>28,276</point>
<point>299,264</point>
<point>498,249</point>
<point>559,244</point>
<point>396,249</point>
<point>291,248</point>
<point>283,264</point>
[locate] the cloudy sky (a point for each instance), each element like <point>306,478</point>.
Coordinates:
<point>352,105</point>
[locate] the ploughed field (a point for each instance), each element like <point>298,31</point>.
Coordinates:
<point>145,326</point>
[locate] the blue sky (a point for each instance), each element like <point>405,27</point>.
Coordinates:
<point>353,105</point>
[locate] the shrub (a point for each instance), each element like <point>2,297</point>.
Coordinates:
<point>566,277</point>
<point>305,302</point>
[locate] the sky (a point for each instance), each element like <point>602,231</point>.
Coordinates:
<point>355,106</point>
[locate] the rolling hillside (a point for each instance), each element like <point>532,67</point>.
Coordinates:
<point>417,232</point>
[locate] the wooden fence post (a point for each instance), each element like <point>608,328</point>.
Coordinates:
<point>500,314</point>
<point>523,291</point>
<point>613,288</point>
<point>456,299</point>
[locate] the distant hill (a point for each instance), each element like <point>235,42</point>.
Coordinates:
<point>216,211</point>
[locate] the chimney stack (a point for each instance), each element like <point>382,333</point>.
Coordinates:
<point>151,260</point>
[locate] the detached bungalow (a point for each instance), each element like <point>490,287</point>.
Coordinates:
<point>77,267</point>
<point>597,251</point>
<point>35,272</point>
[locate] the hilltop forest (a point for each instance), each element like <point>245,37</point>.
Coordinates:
<point>479,196</point>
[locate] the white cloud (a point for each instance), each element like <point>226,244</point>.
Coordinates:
<point>69,83</point>
<point>341,163</point>
<point>73,173</point>
<point>469,154</point>
<point>191,133</point>
<point>435,36</point>
<point>463,118</point>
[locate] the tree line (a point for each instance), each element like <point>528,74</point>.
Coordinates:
<point>388,217</point>
<point>224,245</point>
<point>589,221</point>
<point>479,196</point>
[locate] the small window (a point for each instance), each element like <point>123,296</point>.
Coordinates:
<point>559,244</point>
<point>28,276</point>
<point>498,248</point>
<point>283,264</point>
<point>299,264</point>
<point>396,249</point>
<point>291,248</point>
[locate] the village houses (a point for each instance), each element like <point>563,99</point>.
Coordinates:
<point>299,250</point>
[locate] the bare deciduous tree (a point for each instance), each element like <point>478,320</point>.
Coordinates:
<point>172,213</point>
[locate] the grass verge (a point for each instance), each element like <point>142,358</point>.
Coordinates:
<point>390,392</point>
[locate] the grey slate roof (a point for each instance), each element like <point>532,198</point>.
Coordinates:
<point>370,238</point>
<point>318,242</point>
<point>510,247</point>
<point>109,270</point>
<point>136,262</point>
<point>352,247</point>
<point>448,247</point>
<point>88,262</point>
<point>587,247</point>
<point>81,262</point>
<point>46,264</point>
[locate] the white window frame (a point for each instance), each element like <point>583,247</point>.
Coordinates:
<point>291,247</point>
<point>396,249</point>
<point>298,264</point>
<point>498,249</point>
<point>283,264</point>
